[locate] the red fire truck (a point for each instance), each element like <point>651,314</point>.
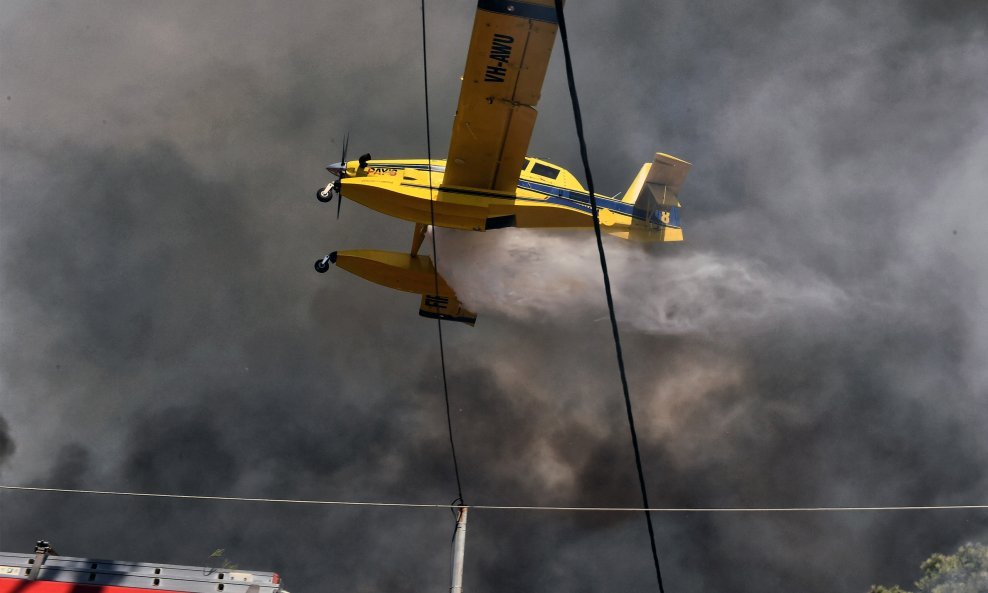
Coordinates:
<point>45,571</point>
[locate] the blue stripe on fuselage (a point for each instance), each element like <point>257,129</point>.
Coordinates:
<point>580,199</point>
<point>563,197</point>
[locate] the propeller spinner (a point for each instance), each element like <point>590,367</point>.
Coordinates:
<point>325,194</point>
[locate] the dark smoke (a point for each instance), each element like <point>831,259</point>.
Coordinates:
<point>7,446</point>
<point>70,467</point>
<point>819,339</point>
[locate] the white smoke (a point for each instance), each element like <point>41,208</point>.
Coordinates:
<point>555,276</point>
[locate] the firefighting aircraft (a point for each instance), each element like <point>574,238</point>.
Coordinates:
<point>487,181</point>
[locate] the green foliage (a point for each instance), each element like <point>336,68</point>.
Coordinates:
<point>963,572</point>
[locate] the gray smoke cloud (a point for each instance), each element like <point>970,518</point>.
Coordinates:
<point>538,276</point>
<point>7,445</point>
<point>819,339</point>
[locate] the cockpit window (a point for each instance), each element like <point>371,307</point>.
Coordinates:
<point>545,171</point>
<point>528,162</point>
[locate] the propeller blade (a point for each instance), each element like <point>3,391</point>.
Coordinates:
<point>339,195</point>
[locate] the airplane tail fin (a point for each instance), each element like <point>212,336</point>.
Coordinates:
<point>654,193</point>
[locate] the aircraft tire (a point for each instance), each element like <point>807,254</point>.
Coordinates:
<point>323,198</point>
<point>321,265</point>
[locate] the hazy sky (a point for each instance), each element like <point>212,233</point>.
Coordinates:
<point>821,337</point>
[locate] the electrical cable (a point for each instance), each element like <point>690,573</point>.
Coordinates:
<point>607,287</point>
<point>435,263</point>
<point>492,507</point>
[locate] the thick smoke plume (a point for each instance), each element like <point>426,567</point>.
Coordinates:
<point>818,340</point>
<point>7,446</point>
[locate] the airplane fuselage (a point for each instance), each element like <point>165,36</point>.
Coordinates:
<point>547,196</point>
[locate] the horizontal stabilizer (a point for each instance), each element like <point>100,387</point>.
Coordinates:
<point>659,180</point>
<point>408,273</point>
<point>655,195</point>
<point>669,171</point>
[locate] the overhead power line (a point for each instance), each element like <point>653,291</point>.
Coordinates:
<point>607,287</point>
<point>494,507</point>
<point>435,263</point>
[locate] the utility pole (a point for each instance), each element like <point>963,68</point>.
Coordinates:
<point>459,543</point>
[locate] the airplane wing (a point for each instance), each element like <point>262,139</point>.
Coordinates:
<point>509,54</point>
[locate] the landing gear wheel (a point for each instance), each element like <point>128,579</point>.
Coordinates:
<point>323,196</point>
<point>321,265</point>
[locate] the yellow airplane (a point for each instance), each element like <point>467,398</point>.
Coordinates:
<point>487,181</point>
